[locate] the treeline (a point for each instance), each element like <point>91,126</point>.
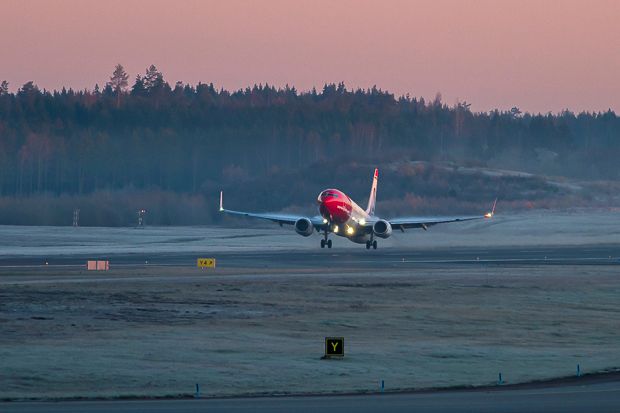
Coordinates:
<point>406,188</point>
<point>149,135</point>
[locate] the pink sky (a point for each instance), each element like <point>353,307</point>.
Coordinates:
<point>539,55</point>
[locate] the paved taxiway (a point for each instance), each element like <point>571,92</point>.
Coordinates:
<point>603,254</point>
<point>595,394</point>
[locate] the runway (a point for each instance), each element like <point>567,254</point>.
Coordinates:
<point>387,258</point>
<point>596,394</point>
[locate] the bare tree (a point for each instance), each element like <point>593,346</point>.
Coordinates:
<point>118,82</point>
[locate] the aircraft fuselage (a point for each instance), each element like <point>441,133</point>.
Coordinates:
<point>344,216</point>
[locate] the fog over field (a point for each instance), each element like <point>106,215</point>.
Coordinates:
<point>505,229</point>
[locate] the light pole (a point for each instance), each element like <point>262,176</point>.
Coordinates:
<point>76,217</point>
<point>141,214</point>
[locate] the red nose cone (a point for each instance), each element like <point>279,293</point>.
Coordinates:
<point>334,206</point>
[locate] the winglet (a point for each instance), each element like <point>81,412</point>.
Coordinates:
<point>221,200</point>
<point>490,214</point>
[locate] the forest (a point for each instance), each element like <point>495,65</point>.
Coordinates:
<point>129,144</point>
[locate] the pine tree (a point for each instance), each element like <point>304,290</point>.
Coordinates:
<point>4,88</point>
<point>118,82</point>
<point>153,79</point>
<point>138,87</point>
<point>28,89</point>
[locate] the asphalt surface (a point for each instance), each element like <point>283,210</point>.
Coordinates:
<point>602,254</point>
<point>586,395</point>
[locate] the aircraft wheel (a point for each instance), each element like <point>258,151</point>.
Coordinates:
<point>367,245</point>
<point>322,243</point>
<point>329,243</point>
<point>374,245</point>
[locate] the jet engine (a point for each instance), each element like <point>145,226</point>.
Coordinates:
<point>382,228</point>
<point>304,227</point>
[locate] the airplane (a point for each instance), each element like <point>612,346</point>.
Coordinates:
<point>341,216</point>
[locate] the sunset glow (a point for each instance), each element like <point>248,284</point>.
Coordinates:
<point>536,55</point>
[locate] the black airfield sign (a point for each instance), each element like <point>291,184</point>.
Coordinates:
<point>334,346</point>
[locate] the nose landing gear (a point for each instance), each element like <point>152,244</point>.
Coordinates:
<point>326,241</point>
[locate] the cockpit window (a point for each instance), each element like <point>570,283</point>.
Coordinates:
<point>328,194</point>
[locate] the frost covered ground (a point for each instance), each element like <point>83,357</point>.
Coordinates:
<point>160,330</point>
<point>534,228</point>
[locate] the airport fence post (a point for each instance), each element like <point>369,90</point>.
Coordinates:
<point>197,395</point>
<point>499,379</point>
<point>578,370</point>
<point>382,385</point>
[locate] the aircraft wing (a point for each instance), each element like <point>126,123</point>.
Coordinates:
<point>281,219</point>
<point>425,222</point>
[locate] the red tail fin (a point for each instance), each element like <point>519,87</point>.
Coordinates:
<point>372,199</point>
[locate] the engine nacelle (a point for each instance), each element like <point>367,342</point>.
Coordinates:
<point>304,227</point>
<point>382,229</point>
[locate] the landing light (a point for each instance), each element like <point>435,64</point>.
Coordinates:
<point>335,229</point>
<point>324,221</point>
<point>488,215</point>
<point>350,230</point>
<point>362,221</point>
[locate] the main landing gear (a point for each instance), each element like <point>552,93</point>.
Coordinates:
<point>326,241</point>
<point>372,244</point>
